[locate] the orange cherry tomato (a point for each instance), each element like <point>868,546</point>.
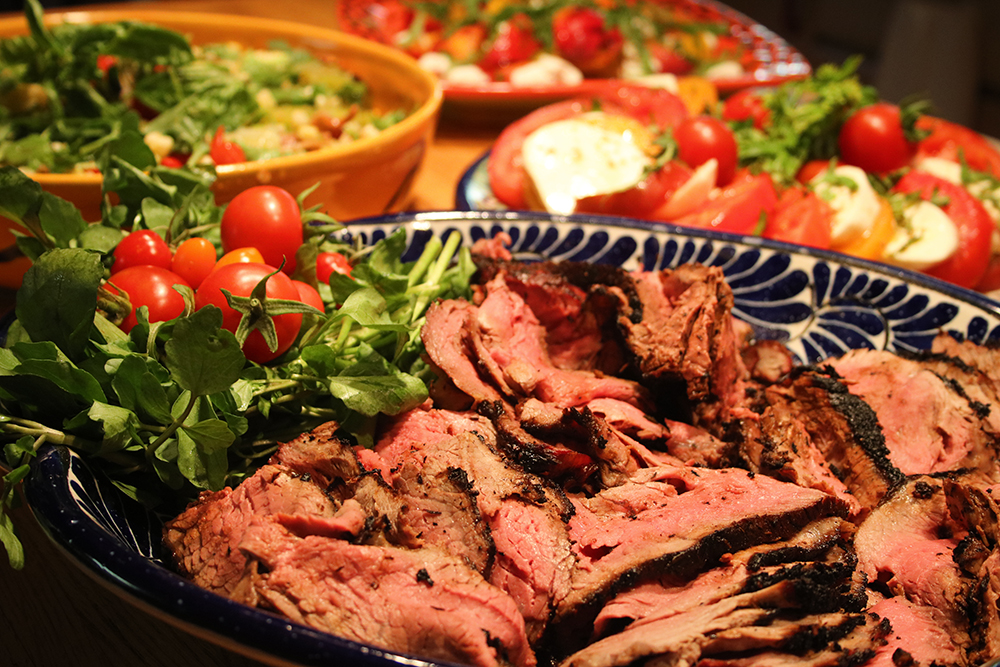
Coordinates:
<point>244,255</point>
<point>193,260</point>
<point>872,242</point>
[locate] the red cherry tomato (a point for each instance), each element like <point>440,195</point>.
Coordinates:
<point>308,295</point>
<point>738,207</point>
<point>140,248</point>
<point>702,138</point>
<point>800,216</point>
<point>223,151</point>
<point>514,42</point>
<point>954,142</point>
<point>873,139</point>
<point>967,265</point>
<point>265,217</point>
<point>582,37</point>
<point>150,286</point>
<point>240,279</point>
<point>328,263</point>
<point>643,200</point>
<point>669,60</point>
<point>647,105</point>
<point>747,105</point>
<point>378,20</point>
<point>193,260</point>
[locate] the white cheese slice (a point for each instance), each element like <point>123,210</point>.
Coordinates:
<point>948,170</point>
<point>854,207</point>
<point>579,157</point>
<point>927,237</point>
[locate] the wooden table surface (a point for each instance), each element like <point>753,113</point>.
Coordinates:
<point>51,612</point>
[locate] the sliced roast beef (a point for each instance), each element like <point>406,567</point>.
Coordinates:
<point>929,426</point>
<point>674,521</point>
<point>780,446</point>
<point>685,333</point>
<point>526,516</point>
<point>825,541</point>
<point>917,636</point>
<point>417,602</point>
<point>447,337</point>
<point>842,427</point>
<point>736,624</point>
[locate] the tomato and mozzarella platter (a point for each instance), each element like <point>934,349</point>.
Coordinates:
<point>553,42</point>
<point>820,162</point>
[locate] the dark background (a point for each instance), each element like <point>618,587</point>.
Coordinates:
<point>942,50</point>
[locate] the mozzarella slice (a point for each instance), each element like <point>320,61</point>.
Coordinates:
<point>947,170</point>
<point>580,157</point>
<point>927,237</point>
<point>854,207</point>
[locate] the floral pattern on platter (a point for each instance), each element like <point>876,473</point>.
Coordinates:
<point>815,302</point>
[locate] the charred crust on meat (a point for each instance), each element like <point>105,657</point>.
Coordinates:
<point>924,491</point>
<point>903,658</point>
<point>424,577</point>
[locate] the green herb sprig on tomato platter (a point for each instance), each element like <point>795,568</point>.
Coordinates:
<point>174,407</point>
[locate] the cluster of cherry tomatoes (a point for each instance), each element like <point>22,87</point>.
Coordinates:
<point>261,232</point>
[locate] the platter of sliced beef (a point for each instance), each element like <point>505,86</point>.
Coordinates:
<point>644,446</point>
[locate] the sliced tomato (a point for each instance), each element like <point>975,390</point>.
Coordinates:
<point>514,42</point>
<point>738,207</point>
<point>582,37</point>
<point>747,105</point>
<point>967,265</point>
<point>643,200</point>
<point>378,20</point>
<point>955,142</point>
<point>224,151</point>
<point>991,279</point>
<point>648,105</point>
<point>811,170</point>
<point>800,216</point>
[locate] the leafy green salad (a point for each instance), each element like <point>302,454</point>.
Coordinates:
<point>174,407</point>
<point>69,91</point>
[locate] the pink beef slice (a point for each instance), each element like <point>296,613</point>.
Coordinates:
<point>906,546</point>
<point>524,516</point>
<point>684,330</point>
<point>916,636</point>
<point>419,602</point>
<point>512,347</point>
<point>675,520</point>
<point>204,540</point>
<point>447,337</point>
<point>929,425</point>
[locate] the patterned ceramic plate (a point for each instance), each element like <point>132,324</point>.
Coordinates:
<point>817,303</point>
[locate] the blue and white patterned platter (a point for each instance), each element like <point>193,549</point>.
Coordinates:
<point>818,303</point>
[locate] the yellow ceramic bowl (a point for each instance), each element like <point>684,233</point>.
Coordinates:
<point>369,176</point>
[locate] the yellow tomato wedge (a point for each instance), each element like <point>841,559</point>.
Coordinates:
<point>699,94</point>
<point>872,242</point>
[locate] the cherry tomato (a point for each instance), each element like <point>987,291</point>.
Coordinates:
<point>105,62</point>
<point>738,207</point>
<point>150,286</point>
<point>800,216</point>
<point>954,142</point>
<point>308,295</point>
<point>193,260</point>
<point>171,161</point>
<point>967,265</point>
<point>265,217</point>
<point>328,263</point>
<point>873,138</point>
<point>643,200</point>
<point>223,151</point>
<point>514,42</point>
<point>378,20</point>
<point>702,138</point>
<point>140,248</point>
<point>240,279</point>
<point>246,255</point>
<point>669,60</point>
<point>582,37</point>
<point>747,105</point>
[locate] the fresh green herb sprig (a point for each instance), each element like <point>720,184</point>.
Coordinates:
<point>173,408</point>
<point>806,116</point>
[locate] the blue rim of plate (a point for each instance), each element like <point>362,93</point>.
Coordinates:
<point>117,542</point>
